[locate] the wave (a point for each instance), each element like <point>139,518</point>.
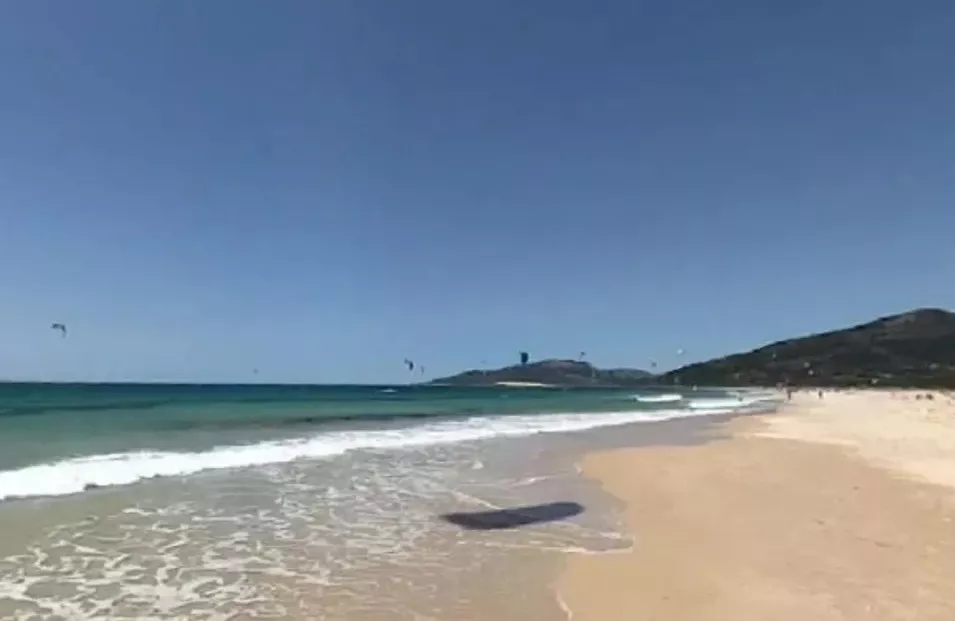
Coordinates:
<point>664,398</point>
<point>758,393</point>
<point>736,401</point>
<point>78,474</point>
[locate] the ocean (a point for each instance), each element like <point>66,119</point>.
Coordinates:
<point>125,501</point>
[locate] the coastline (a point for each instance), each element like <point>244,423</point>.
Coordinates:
<point>837,508</point>
<point>358,521</point>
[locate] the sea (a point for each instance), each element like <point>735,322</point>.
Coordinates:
<point>232,503</point>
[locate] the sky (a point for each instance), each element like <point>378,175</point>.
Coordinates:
<point>318,190</point>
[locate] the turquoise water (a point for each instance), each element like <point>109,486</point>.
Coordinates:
<point>76,432</point>
<point>295,503</point>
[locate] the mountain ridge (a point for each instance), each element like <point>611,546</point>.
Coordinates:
<point>912,349</point>
<point>551,372</point>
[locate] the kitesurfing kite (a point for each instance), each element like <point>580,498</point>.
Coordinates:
<point>525,357</point>
<point>61,327</point>
<point>409,364</point>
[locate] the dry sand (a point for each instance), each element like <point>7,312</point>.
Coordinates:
<point>835,509</point>
<point>912,432</point>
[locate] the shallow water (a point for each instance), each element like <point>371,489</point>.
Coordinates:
<point>355,534</point>
<point>354,531</point>
<point>59,440</point>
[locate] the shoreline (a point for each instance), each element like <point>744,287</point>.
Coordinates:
<point>837,508</point>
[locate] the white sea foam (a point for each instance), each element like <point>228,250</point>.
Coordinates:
<point>760,394</point>
<point>664,398</point>
<point>737,401</point>
<point>78,474</point>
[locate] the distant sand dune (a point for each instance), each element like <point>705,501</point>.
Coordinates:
<point>523,384</point>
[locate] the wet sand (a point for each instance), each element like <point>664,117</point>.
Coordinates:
<point>360,537</point>
<point>841,508</point>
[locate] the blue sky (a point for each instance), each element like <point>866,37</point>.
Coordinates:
<point>320,189</point>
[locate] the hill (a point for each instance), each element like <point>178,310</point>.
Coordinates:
<point>550,372</point>
<point>913,349</point>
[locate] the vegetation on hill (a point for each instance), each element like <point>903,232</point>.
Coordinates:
<point>550,372</point>
<point>913,349</point>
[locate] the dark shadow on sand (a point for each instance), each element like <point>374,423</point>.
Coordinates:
<point>514,518</point>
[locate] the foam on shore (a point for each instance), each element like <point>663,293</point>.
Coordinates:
<point>77,474</point>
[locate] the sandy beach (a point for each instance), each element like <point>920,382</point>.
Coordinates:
<point>841,508</point>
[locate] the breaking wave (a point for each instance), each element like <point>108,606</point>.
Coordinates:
<point>664,398</point>
<point>77,474</point>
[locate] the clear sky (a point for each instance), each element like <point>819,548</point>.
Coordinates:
<point>320,189</point>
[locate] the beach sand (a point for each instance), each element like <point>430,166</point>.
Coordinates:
<point>839,508</point>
